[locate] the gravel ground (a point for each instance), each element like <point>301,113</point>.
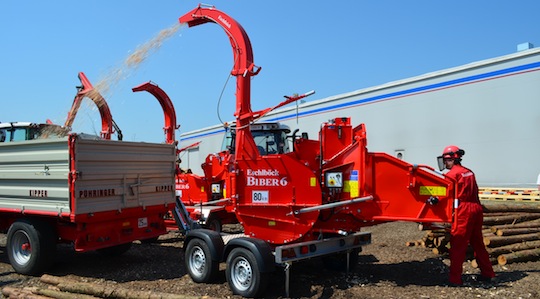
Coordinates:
<point>387,269</point>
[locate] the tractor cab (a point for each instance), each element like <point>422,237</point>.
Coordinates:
<point>20,131</point>
<point>270,138</point>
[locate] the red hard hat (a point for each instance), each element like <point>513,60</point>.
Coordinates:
<point>452,152</point>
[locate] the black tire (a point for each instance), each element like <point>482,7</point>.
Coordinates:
<point>243,274</point>
<point>213,223</point>
<point>116,250</point>
<point>31,246</point>
<point>199,264</point>
<point>338,262</point>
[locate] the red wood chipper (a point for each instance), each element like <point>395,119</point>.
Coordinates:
<point>310,201</point>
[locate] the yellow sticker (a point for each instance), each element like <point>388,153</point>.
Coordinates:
<point>353,186</point>
<point>433,190</point>
<point>271,223</point>
<point>313,182</point>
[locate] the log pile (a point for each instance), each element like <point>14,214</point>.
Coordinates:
<point>437,238</point>
<point>511,233</point>
<point>514,231</point>
<point>62,288</point>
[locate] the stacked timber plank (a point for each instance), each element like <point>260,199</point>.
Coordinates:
<point>511,232</point>
<point>509,194</point>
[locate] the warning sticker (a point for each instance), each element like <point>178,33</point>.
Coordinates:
<point>354,175</point>
<point>433,190</point>
<point>353,187</point>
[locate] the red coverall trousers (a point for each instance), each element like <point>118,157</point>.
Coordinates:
<point>468,229</point>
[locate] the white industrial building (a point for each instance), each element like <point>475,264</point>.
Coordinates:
<point>490,108</point>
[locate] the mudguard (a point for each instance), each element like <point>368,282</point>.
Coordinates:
<point>260,248</point>
<point>211,238</point>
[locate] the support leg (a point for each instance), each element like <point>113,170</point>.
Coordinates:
<point>287,273</point>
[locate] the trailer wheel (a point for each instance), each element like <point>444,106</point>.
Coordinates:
<point>199,263</point>
<point>213,223</point>
<point>243,273</point>
<point>31,246</point>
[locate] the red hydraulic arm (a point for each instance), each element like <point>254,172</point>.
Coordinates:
<point>167,106</point>
<point>244,69</point>
<point>87,90</point>
<point>289,99</point>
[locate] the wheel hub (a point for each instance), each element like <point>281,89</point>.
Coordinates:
<point>22,250</point>
<point>198,260</point>
<point>243,274</point>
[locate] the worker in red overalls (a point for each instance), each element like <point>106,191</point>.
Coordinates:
<point>467,226</point>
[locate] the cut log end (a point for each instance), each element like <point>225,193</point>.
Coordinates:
<point>501,260</point>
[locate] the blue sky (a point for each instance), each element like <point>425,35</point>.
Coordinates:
<point>331,47</point>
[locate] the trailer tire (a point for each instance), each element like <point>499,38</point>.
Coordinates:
<point>199,263</point>
<point>243,273</point>
<point>31,246</point>
<point>213,223</point>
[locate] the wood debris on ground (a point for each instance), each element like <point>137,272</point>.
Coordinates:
<point>65,288</point>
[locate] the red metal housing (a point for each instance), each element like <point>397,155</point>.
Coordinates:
<point>329,186</point>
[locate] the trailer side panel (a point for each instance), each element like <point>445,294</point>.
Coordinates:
<point>33,176</point>
<point>80,175</point>
<point>114,175</point>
